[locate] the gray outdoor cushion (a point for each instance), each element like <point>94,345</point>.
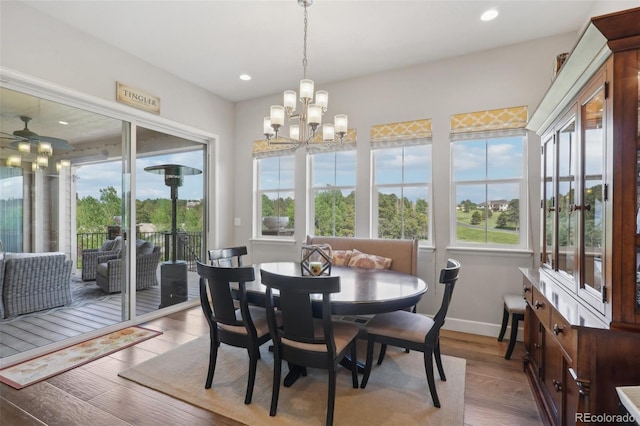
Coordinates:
<point>102,269</point>
<point>143,247</point>
<point>117,244</point>
<point>107,245</point>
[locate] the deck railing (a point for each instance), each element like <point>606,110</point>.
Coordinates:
<point>188,247</point>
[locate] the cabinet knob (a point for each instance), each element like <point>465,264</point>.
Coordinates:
<point>557,385</point>
<point>526,289</point>
<point>557,329</point>
<point>537,345</point>
<point>538,304</point>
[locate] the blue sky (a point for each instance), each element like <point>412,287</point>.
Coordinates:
<point>92,178</point>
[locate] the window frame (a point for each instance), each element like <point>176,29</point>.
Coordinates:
<point>312,190</point>
<point>258,231</point>
<point>523,189</point>
<point>428,242</point>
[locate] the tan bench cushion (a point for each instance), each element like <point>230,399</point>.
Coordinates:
<point>404,253</point>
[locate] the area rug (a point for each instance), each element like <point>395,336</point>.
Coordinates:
<point>397,392</point>
<point>32,371</point>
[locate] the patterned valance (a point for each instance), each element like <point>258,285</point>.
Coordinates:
<point>261,148</point>
<point>491,120</point>
<point>405,132</point>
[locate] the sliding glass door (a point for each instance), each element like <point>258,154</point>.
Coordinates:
<point>86,187</point>
<point>169,206</point>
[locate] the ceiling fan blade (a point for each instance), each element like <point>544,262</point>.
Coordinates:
<point>26,133</point>
<point>56,143</point>
<point>7,136</point>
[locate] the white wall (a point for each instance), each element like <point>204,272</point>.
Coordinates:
<point>41,47</point>
<point>512,76</point>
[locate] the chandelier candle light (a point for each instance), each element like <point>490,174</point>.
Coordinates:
<point>310,116</point>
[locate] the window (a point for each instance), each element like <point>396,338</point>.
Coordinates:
<point>488,178</point>
<point>333,193</point>
<point>402,180</point>
<point>276,195</point>
<point>402,192</point>
<point>488,185</point>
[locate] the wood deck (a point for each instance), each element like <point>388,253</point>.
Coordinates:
<point>38,329</point>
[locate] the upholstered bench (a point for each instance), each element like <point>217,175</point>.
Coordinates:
<point>403,253</point>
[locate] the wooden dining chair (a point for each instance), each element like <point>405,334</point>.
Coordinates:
<point>307,338</point>
<point>414,331</point>
<point>244,327</point>
<point>228,257</point>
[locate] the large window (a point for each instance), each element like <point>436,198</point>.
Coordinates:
<point>333,193</point>
<point>489,188</point>
<point>276,195</point>
<point>402,192</point>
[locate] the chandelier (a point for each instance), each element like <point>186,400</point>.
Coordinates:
<point>312,109</point>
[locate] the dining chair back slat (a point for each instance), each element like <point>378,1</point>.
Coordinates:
<point>228,257</point>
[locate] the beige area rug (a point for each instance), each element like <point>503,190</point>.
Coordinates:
<point>397,392</point>
<point>34,370</point>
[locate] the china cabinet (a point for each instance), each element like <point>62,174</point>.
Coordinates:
<point>582,323</point>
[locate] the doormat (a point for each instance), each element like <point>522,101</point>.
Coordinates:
<point>43,367</point>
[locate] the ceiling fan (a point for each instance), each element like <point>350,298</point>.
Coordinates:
<point>26,135</point>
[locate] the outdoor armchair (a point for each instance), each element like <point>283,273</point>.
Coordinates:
<point>90,257</point>
<point>109,271</point>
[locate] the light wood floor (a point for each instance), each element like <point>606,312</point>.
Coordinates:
<point>497,391</point>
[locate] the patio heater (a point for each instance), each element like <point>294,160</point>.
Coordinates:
<point>173,272</point>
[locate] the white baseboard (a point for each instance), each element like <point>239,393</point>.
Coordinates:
<point>479,328</point>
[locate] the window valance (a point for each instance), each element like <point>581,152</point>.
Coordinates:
<point>402,133</point>
<point>489,123</point>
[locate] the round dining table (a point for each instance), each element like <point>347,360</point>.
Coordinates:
<point>362,291</point>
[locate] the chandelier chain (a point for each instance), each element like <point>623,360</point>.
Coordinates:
<point>304,49</point>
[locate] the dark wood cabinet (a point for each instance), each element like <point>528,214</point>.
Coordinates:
<point>582,324</point>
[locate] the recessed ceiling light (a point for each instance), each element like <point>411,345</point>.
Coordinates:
<point>245,77</point>
<point>63,122</point>
<point>490,15</point>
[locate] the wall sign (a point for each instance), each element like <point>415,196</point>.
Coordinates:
<point>137,98</point>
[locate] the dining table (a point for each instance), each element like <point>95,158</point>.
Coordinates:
<point>362,292</point>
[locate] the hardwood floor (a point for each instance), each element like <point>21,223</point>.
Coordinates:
<point>497,391</point>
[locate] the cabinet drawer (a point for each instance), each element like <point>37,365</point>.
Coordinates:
<point>566,336</point>
<point>540,307</point>
<point>527,292</point>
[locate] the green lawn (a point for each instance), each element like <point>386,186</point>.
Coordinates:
<point>476,233</point>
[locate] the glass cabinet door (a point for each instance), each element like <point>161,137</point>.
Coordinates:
<point>638,201</point>
<point>548,205</point>
<point>566,200</point>
<point>590,204</point>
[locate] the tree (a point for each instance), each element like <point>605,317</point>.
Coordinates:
<point>476,218</point>
<point>111,202</point>
<point>89,216</point>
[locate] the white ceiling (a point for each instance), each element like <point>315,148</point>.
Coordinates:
<point>211,42</point>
